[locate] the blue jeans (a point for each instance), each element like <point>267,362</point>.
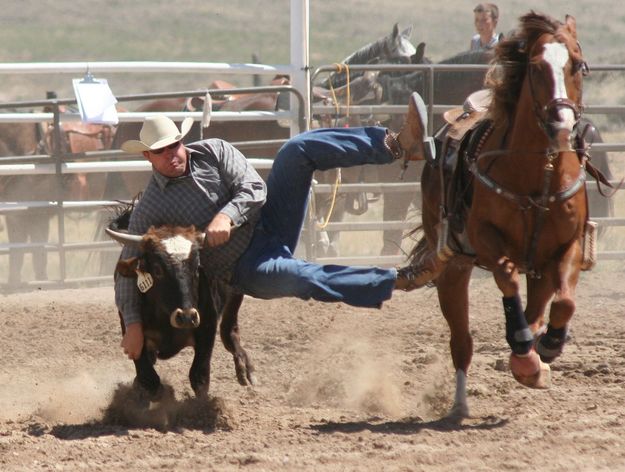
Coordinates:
<point>267,269</point>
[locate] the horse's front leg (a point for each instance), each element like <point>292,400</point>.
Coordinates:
<point>453,295</point>
<point>565,275</point>
<point>525,363</point>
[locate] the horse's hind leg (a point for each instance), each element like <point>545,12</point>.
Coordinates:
<point>229,332</point>
<point>453,295</point>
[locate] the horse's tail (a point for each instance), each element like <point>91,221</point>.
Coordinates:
<point>421,249</point>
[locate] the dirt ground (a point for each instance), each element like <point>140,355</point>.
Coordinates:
<point>338,389</point>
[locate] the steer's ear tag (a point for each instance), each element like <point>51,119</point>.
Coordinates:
<point>144,281</point>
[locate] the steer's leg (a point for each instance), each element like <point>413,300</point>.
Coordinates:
<point>229,331</point>
<point>199,374</point>
<point>146,376</point>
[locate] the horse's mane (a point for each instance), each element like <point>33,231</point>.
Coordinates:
<point>379,51</point>
<point>370,51</point>
<point>365,55</point>
<point>506,78</point>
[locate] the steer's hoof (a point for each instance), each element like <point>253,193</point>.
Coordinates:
<point>530,371</point>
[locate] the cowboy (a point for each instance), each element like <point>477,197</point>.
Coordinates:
<point>211,185</point>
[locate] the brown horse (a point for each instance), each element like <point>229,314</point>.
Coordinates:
<point>33,225</point>
<point>517,204</point>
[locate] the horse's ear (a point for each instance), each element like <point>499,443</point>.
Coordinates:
<point>571,25</point>
<point>407,32</point>
<point>417,57</point>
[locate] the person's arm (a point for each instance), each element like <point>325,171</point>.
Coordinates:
<point>127,296</point>
<point>127,299</point>
<point>247,188</point>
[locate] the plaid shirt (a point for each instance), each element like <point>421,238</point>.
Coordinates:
<point>220,180</point>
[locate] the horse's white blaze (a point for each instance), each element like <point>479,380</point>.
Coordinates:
<point>178,246</point>
<point>557,55</point>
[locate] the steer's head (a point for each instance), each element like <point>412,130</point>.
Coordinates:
<point>167,273</point>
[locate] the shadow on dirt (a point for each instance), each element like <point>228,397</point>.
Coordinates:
<point>412,425</point>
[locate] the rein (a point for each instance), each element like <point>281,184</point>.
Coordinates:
<point>539,202</point>
<point>546,119</point>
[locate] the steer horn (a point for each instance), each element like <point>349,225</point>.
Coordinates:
<point>124,238</point>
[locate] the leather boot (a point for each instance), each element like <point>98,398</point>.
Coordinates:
<point>413,132</point>
<point>417,276</point>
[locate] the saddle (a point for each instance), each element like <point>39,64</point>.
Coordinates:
<point>462,119</point>
<point>79,136</point>
<point>457,187</point>
<point>460,136</point>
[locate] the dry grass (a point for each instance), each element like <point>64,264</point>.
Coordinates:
<point>192,30</point>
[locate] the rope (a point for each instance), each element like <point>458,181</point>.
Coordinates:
<point>337,183</point>
<point>342,68</point>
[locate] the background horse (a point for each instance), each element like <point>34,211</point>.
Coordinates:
<point>521,207</point>
<point>395,47</point>
<point>392,48</point>
<point>33,225</point>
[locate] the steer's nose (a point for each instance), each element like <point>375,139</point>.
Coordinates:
<point>187,318</point>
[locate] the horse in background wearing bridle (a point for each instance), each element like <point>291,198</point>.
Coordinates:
<point>365,89</point>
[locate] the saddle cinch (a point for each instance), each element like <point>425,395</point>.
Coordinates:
<point>461,136</point>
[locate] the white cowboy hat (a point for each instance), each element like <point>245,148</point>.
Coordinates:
<point>157,132</point>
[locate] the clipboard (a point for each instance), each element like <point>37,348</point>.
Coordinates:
<point>96,102</point>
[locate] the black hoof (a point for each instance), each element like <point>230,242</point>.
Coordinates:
<point>549,347</point>
<point>149,393</point>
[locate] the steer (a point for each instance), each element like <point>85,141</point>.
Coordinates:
<point>178,306</point>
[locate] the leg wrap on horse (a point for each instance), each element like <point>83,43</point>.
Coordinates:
<point>551,344</point>
<point>518,334</point>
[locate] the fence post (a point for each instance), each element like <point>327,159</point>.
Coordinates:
<point>57,155</point>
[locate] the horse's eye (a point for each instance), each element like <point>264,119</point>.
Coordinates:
<point>585,68</point>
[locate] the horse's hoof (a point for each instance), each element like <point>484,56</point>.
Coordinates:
<point>549,347</point>
<point>458,412</point>
<point>530,371</point>
<point>252,379</point>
